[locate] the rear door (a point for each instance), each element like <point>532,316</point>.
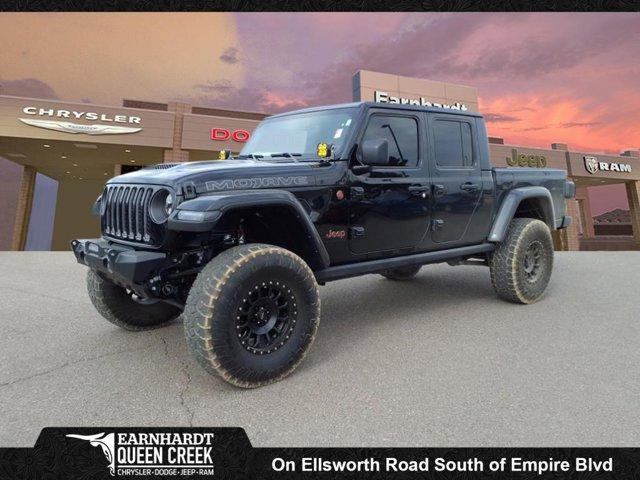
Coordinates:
<point>456,176</point>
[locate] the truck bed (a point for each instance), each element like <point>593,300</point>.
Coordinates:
<point>553,179</point>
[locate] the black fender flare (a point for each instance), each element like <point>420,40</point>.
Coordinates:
<point>510,205</point>
<point>206,210</point>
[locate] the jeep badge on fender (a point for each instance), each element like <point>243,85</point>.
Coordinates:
<point>238,247</point>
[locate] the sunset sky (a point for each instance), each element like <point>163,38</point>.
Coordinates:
<point>569,77</point>
<point>541,77</point>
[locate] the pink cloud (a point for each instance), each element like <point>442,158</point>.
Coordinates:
<point>273,101</point>
<point>539,121</point>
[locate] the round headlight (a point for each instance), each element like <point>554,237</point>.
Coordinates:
<point>162,204</point>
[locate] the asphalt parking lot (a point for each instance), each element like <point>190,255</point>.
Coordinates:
<point>438,361</point>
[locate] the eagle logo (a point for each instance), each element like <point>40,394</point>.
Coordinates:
<point>70,127</point>
<point>106,442</point>
<point>591,164</point>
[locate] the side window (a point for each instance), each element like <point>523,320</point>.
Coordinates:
<point>402,135</point>
<point>453,144</point>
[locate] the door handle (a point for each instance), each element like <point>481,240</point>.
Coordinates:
<point>419,190</point>
<point>356,231</point>
<point>438,190</point>
<point>357,193</point>
<point>470,187</point>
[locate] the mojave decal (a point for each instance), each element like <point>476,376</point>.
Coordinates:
<point>257,182</point>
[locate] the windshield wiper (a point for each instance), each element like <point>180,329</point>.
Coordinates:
<point>286,155</point>
<point>250,155</point>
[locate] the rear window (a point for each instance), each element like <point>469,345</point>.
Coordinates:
<point>453,144</point>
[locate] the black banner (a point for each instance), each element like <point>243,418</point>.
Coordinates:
<point>227,453</point>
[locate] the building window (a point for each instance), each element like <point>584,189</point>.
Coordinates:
<point>402,135</point>
<point>453,144</point>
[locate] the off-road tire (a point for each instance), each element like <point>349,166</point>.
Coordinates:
<point>511,262</point>
<point>402,273</point>
<point>216,324</point>
<point>116,305</point>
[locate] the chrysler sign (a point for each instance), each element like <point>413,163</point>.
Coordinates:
<point>68,126</point>
<point>384,97</point>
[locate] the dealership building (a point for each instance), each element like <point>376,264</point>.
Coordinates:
<point>74,148</point>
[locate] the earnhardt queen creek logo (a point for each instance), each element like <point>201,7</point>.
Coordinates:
<point>163,453</point>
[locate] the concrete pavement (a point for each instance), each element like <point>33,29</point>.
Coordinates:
<point>438,361</point>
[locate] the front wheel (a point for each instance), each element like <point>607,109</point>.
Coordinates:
<point>521,265</point>
<point>252,314</point>
<point>124,309</point>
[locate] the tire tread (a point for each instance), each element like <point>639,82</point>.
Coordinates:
<point>504,260</point>
<point>202,303</point>
<point>113,303</point>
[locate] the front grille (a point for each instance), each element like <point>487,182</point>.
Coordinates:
<point>126,214</point>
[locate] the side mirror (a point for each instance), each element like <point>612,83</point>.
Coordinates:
<point>375,151</point>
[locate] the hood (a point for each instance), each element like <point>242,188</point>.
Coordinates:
<point>219,175</point>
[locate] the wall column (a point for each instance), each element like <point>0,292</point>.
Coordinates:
<point>582,195</point>
<point>568,238</point>
<point>73,217</point>
<point>557,237</point>
<point>633,197</point>
<point>23,209</point>
<point>176,154</point>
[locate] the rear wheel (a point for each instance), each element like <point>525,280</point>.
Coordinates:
<point>521,265</point>
<point>252,314</point>
<point>402,273</point>
<point>124,308</point>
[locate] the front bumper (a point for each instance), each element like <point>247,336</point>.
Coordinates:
<point>121,263</point>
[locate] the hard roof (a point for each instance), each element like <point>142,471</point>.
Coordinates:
<point>390,106</point>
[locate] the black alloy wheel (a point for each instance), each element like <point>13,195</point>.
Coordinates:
<point>266,317</point>
<point>532,261</point>
<point>252,314</point>
<point>521,264</point>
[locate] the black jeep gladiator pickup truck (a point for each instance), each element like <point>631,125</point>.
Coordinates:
<point>238,247</point>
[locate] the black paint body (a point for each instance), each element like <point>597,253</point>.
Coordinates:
<point>383,212</point>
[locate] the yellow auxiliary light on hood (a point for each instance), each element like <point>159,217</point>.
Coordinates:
<point>323,150</point>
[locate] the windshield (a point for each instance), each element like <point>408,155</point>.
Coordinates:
<point>299,134</point>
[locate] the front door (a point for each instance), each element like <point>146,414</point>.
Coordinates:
<point>457,179</point>
<point>389,206</point>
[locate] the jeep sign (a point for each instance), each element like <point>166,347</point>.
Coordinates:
<point>526,160</point>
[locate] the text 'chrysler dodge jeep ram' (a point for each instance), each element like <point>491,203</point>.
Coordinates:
<point>238,247</point>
